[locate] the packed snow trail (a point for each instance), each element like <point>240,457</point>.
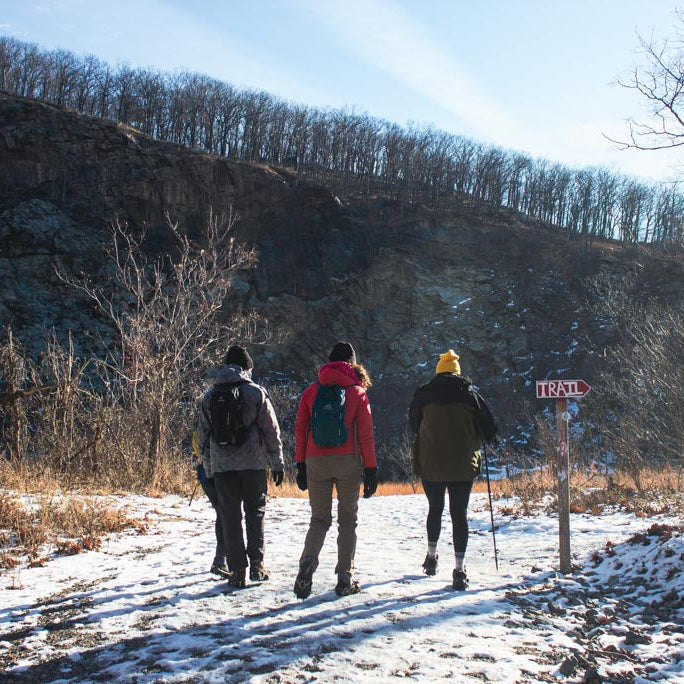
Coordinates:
<point>146,609</point>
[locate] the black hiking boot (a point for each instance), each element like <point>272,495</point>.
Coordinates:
<point>258,573</point>
<point>220,569</point>
<point>460,582</point>
<point>237,578</point>
<point>302,585</point>
<point>347,587</point>
<point>430,565</point>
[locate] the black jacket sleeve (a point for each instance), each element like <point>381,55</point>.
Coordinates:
<point>416,411</point>
<point>484,420</point>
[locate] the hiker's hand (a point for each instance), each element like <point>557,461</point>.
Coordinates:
<point>278,477</point>
<point>370,482</point>
<point>301,476</point>
<point>199,470</point>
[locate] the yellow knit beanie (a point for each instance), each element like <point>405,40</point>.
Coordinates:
<point>448,363</point>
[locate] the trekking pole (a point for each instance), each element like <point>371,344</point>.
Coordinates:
<point>196,454</point>
<point>491,509</point>
<point>194,491</point>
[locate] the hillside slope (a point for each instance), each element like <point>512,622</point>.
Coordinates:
<point>402,282</point>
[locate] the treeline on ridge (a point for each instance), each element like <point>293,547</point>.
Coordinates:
<point>350,152</point>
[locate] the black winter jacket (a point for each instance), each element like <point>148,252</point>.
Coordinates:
<point>451,421</point>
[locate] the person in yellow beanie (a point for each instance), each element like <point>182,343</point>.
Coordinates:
<point>451,421</point>
<point>448,363</point>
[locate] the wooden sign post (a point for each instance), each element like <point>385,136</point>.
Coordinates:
<point>560,390</point>
<point>563,470</point>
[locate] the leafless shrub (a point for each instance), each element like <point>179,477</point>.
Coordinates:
<point>165,314</point>
<point>120,419</point>
<point>14,374</point>
<point>285,398</point>
<point>397,460</point>
<point>637,402</point>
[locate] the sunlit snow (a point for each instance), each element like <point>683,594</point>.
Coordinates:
<point>146,609</point>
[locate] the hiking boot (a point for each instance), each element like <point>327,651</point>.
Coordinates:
<point>347,588</point>
<point>258,573</point>
<point>430,565</point>
<point>237,578</point>
<point>220,569</point>
<point>302,585</point>
<point>460,582</point>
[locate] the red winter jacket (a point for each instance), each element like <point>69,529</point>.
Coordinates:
<point>357,416</point>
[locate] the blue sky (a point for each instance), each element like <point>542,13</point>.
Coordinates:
<point>531,75</point>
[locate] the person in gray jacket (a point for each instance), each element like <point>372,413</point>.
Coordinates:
<point>239,470</point>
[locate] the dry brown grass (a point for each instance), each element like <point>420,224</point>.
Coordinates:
<point>39,478</point>
<point>591,491</point>
<point>33,527</point>
<point>20,476</point>
<point>290,489</point>
<point>18,532</point>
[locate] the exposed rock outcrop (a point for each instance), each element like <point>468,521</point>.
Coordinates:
<point>402,282</point>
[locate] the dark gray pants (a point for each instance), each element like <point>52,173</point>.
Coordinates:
<point>236,489</point>
<point>209,488</point>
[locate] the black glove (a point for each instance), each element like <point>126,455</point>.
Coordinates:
<point>199,470</point>
<point>370,482</point>
<point>278,477</point>
<point>301,476</point>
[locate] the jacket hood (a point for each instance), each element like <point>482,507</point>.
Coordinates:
<point>450,380</point>
<point>232,373</point>
<point>338,373</point>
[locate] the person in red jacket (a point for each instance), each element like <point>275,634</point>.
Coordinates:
<point>319,468</point>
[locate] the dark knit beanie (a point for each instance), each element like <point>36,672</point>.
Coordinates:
<point>343,351</point>
<point>238,356</point>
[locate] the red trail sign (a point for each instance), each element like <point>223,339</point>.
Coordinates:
<point>561,389</point>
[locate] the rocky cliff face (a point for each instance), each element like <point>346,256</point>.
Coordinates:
<point>403,283</point>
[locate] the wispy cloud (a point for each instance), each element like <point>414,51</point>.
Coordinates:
<point>388,37</point>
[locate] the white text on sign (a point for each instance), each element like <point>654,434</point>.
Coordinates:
<point>558,389</point>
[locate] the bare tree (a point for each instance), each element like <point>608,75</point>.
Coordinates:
<point>166,317</point>
<point>14,372</point>
<point>660,81</point>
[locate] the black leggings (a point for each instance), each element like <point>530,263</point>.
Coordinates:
<point>459,495</point>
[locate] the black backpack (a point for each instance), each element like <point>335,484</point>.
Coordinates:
<point>226,409</point>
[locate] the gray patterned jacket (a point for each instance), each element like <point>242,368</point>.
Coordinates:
<point>263,447</point>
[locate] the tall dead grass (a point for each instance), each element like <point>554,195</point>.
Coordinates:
<point>290,490</point>
<point>590,490</point>
<point>37,526</point>
<point>170,475</point>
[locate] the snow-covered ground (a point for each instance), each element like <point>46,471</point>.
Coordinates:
<point>145,609</point>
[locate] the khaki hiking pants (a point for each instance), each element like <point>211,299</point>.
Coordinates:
<point>322,472</point>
